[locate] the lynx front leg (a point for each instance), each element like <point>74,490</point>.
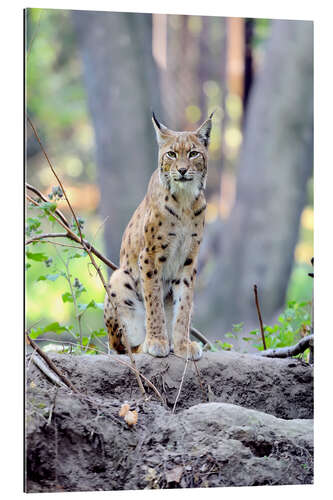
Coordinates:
<point>183,299</point>
<point>156,342</point>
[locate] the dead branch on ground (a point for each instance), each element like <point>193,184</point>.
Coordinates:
<point>53,367</point>
<point>287,352</point>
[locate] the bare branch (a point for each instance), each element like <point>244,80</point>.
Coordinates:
<point>287,352</point>
<point>46,235</point>
<point>259,316</point>
<point>50,363</point>
<point>44,368</point>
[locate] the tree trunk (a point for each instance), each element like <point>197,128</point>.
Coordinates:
<point>122,89</point>
<point>258,242</point>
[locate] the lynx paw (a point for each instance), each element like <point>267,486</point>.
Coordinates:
<point>190,351</point>
<point>156,348</point>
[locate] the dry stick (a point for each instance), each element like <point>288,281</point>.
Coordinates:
<point>59,244</point>
<point>44,368</point>
<point>259,315</point>
<point>180,387</point>
<point>85,247</point>
<point>46,235</point>
<point>287,352</point>
<point>50,363</point>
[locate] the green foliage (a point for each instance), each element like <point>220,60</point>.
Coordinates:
<point>62,263</point>
<point>294,322</point>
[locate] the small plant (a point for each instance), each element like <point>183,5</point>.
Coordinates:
<point>226,346</point>
<point>292,324</point>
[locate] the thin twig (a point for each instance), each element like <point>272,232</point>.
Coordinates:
<point>46,235</point>
<point>57,243</point>
<point>287,352</point>
<point>50,363</point>
<point>180,387</point>
<point>259,316</point>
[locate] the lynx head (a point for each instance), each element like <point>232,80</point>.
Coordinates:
<point>183,158</point>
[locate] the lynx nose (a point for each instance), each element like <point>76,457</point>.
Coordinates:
<point>182,171</point>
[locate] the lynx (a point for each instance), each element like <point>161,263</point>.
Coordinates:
<point>152,291</point>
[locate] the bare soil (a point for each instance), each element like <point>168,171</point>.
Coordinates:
<point>245,420</point>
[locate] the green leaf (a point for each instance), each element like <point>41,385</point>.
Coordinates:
<point>254,332</point>
<point>77,255</point>
<point>48,205</point>
<point>237,327</point>
<point>50,277</point>
<point>52,327</point>
<point>67,297</point>
<point>246,338</point>
<point>38,257</point>
<point>99,333</point>
<point>230,335</point>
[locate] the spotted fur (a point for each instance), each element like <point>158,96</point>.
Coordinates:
<point>152,291</point>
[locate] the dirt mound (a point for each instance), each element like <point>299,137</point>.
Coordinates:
<point>245,421</point>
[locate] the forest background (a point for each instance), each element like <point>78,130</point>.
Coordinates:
<point>92,80</point>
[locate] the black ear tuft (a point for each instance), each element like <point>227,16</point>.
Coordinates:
<point>155,120</point>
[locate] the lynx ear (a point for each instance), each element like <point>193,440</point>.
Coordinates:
<point>203,132</point>
<point>162,133</point>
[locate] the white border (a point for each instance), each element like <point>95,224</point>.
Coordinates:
<point>11,248</point>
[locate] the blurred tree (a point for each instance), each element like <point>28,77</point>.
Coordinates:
<point>257,244</point>
<point>122,86</point>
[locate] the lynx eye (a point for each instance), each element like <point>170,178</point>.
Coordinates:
<point>171,154</point>
<point>193,154</point>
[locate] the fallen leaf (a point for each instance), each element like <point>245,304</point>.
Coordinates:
<point>174,475</point>
<point>123,410</point>
<point>131,417</point>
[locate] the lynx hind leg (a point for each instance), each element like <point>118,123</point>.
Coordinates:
<point>168,308</point>
<point>125,312</point>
